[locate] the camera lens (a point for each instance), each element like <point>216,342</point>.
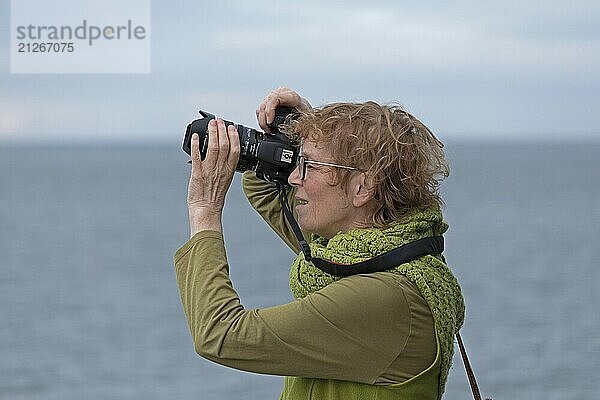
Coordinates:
<point>272,157</point>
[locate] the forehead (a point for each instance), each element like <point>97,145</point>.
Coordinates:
<point>314,150</point>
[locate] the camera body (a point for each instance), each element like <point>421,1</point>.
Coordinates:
<point>272,156</point>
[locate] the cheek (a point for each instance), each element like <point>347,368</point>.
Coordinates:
<point>327,196</point>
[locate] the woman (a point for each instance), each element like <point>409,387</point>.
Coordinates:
<point>366,184</point>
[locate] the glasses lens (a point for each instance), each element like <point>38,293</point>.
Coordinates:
<point>301,167</point>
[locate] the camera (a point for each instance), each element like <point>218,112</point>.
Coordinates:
<point>272,156</point>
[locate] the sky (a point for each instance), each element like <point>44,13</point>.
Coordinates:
<point>493,70</point>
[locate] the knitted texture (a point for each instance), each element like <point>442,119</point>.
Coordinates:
<point>430,274</point>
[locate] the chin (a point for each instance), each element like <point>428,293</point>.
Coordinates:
<point>307,227</point>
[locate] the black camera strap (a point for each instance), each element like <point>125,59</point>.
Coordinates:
<point>385,261</point>
<point>382,262</point>
<point>292,221</point>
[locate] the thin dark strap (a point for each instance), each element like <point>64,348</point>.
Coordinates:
<point>292,221</point>
<point>383,262</point>
<point>470,374</point>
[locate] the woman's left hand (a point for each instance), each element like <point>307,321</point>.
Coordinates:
<point>210,178</point>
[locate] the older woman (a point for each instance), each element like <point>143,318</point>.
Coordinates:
<point>366,184</point>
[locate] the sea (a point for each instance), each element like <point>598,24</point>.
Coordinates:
<point>89,306</point>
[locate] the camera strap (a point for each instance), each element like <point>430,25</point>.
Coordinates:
<point>382,262</point>
<point>292,221</point>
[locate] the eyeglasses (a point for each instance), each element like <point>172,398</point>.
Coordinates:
<point>303,162</point>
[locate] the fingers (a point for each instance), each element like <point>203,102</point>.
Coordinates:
<point>234,147</point>
<point>195,153</point>
<point>261,116</point>
<point>272,101</point>
<point>223,146</point>
<point>282,96</point>
<point>223,142</point>
<point>212,150</point>
<point>211,177</point>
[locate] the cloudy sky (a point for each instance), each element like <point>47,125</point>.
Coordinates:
<point>469,69</point>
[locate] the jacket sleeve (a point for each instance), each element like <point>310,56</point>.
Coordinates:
<point>264,198</point>
<point>344,331</point>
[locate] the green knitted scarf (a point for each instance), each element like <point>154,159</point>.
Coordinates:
<point>430,274</point>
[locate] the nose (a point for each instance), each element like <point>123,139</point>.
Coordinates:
<point>294,178</point>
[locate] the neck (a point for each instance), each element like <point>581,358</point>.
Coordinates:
<point>361,221</point>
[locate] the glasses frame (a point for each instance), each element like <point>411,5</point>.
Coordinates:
<point>302,162</point>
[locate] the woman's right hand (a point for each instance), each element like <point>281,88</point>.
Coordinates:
<point>282,96</point>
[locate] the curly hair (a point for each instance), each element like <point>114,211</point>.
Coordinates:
<point>402,158</point>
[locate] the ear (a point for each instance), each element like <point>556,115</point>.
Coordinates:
<point>361,190</point>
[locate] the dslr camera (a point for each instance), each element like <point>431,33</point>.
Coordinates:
<point>272,156</point>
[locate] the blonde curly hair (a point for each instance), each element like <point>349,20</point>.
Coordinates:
<point>401,157</point>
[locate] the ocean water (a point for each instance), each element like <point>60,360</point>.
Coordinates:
<point>89,307</point>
